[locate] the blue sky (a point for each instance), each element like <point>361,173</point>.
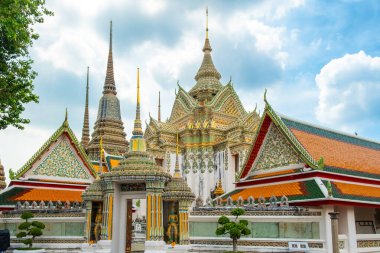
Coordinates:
<point>319,60</point>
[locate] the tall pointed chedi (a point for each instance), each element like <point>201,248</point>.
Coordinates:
<point>208,76</point>
<point>2,177</point>
<point>86,125</point>
<point>108,125</point>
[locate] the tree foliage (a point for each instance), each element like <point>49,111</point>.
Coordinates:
<point>235,229</point>
<point>32,229</point>
<point>17,18</point>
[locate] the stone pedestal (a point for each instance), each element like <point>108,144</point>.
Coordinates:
<point>155,247</point>
<point>104,246</point>
<point>86,247</point>
<point>177,248</point>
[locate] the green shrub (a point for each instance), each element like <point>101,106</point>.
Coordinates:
<point>233,228</point>
<point>32,229</point>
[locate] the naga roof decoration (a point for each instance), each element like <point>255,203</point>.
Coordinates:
<point>64,145</point>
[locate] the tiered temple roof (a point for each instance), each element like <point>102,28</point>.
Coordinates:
<point>309,164</point>
<point>208,107</point>
<point>58,172</point>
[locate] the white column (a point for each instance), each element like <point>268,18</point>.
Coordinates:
<point>327,227</point>
<point>351,235</point>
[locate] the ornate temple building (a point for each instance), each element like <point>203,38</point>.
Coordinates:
<point>214,129</point>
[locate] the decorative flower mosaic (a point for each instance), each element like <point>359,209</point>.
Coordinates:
<point>61,162</point>
<point>277,151</point>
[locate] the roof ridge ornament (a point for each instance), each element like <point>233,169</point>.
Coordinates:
<point>66,122</point>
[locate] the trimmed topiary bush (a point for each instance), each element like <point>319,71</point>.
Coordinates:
<point>32,229</point>
<point>233,228</point>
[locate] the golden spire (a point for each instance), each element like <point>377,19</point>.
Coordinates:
<point>137,125</point>
<point>159,107</point>
<point>177,173</point>
<point>137,140</point>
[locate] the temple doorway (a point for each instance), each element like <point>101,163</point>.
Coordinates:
<point>135,225</point>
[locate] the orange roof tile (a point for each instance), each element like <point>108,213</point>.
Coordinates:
<point>39,194</point>
<point>114,162</point>
<point>287,189</point>
<point>340,154</point>
<point>358,190</point>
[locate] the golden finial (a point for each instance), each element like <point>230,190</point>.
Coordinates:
<point>206,22</point>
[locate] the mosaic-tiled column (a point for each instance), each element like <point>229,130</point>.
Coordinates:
<point>107,210</point>
<point>87,229</point>
<point>184,222</point>
<point>154,224</point>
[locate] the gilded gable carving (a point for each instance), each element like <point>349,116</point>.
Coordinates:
<point>231,107</point>
<point>276,152</point>
<point>177,112</point>
<point>62,162</point>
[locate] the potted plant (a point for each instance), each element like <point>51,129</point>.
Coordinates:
<point>29,230</point>
<point>235,229</point>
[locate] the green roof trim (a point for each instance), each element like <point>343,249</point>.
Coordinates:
<point>337,194</point>
<point>62,129</point>
<point>351,172</point>
<point>310,189</point>
<point>330,134</point>
<point>5,197</point>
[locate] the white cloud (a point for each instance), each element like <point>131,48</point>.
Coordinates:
<point>349,90</point>
<point>18,146</point>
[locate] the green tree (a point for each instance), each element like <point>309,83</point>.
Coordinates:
<point>17,18</point>
<point>233,228</point>
<point>32,229</point>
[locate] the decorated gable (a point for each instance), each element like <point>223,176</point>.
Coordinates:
<point>61,158</point>
<point>276,152</point>
<point>59,162</point>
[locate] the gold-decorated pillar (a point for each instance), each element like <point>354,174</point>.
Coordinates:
<point>154,212</point>
<point>87,229</point>
<point>107,211</point>
<point>184,222</point>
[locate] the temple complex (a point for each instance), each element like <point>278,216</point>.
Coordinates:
<point>165,189</point>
